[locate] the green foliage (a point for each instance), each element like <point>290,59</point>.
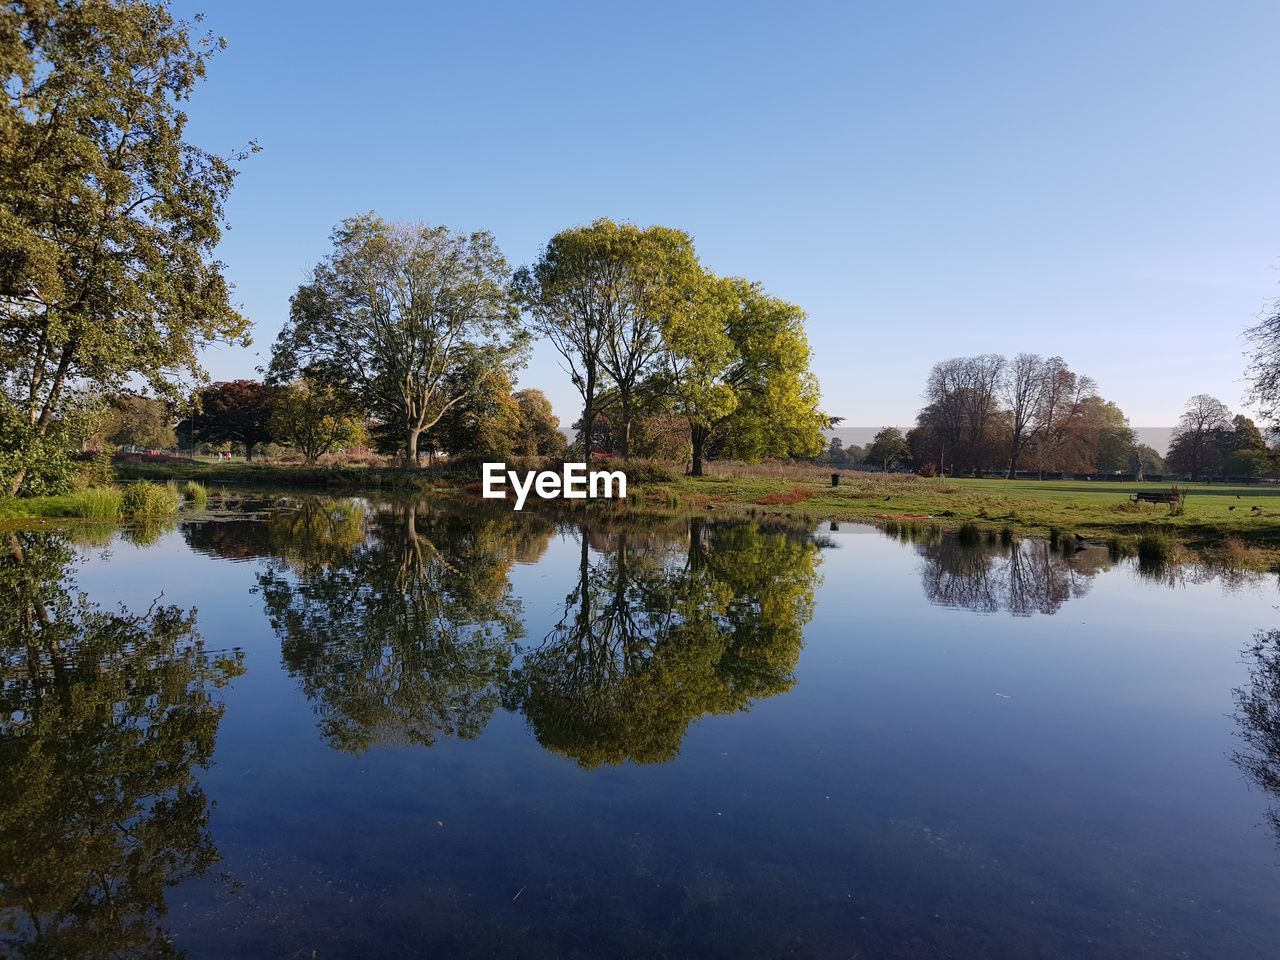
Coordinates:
<point>196,494</point>
<point>738,371</point>
<point>146,499</point>
<point>234,411</point>
<point>315,419</point>
<point>889,448</point>
<point>97,503</point>
<point>108,218</point>
<point>356,327</point>
<point>97,471</point>
<point>599,293</point>
<point>539,432</point>
<point>137,421</point>
<point>33,464</point>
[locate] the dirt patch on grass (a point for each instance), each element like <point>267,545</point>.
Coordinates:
<point>785,497</point>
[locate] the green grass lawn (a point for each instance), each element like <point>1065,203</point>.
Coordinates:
<point>1030,507</point>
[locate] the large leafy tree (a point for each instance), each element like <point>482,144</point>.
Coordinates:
<point>235,411</point>
<point>137,421</point>
<point>393,313</point>
<point>737,370</point>
<point>539,434</point>
<point>315,419</point>
<point>889,448</point>
<point>108,216</point>
<point>601,295</point>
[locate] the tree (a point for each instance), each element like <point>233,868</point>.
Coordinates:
<point>1196,447</point>
<point>315,419</point>
<point>486,424</point>
<point>234,411</point>
<point>139,422</point>
<point>108,217</point>
<point>1024,387</point>
<point>738,372</point>
<point>1264,364</point>
<point>957,425</point>
<point>889,448</point>
<point>394,311</point>
<point>1145,460</point>
<point>571,295</point>
<point>539,433</point>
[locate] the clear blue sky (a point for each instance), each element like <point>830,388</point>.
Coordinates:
<point>1096,180</point>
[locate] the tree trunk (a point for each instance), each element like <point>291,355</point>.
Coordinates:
<point>588,416</point>
<point>625,445</point>
<point>248,452</point>
<point>698,437</point>
<point>411,446</point>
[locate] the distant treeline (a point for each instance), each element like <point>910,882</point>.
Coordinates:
<point>991,415</point>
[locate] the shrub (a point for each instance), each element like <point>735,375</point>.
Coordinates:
<point>969,534</point>
<point>146,499</point>
<point>641,471</point>
<point>95,471</point>
<point>195,493</point>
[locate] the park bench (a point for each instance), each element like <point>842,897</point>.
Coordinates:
<point>1156,496</point>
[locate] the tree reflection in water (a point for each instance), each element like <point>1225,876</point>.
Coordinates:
<point>663,626</point>
<point>104,717</point>
<point>402,627</point>
<point>1021,578</point>
<point>1258,718</point>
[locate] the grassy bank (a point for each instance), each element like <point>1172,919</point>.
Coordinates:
<point>262,475</point>
<point>1245,517</point>
<point>1210,516</point>
<point>141,501</point>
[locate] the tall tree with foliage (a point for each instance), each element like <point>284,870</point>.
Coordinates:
<point>658,273</point>
<point>539,433</point>
<point>889,448</point>
<point>235,411</point>
<point>738,371</point>
<point>314,419</point>
<point>570,295</point>
<point>394,311</point>
<point>137,421</point>
<point>108,216</point>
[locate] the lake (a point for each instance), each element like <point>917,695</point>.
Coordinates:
<point>340,727</point>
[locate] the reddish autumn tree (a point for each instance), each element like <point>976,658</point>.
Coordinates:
<point>238,411</point>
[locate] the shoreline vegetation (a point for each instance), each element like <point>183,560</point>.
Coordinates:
<point>1220,523</point>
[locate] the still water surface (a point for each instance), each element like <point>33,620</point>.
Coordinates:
<point>342,728</point>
